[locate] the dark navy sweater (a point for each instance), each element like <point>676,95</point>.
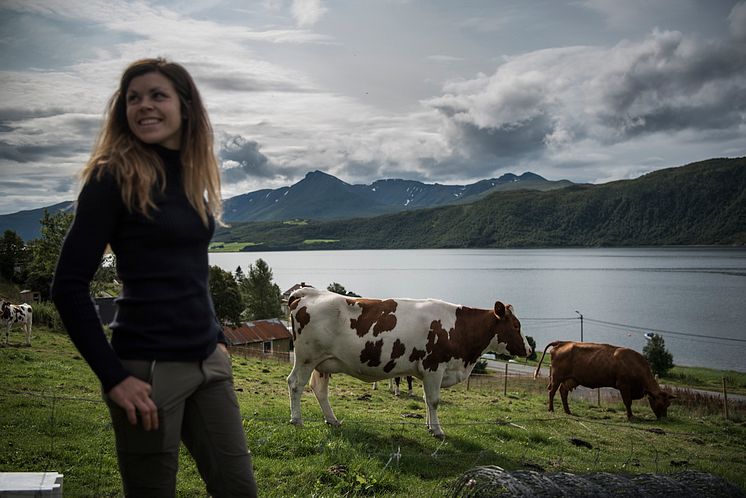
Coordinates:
<point>165,312</point>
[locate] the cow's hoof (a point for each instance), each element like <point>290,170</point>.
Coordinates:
<point>440,436</point>
<point>333,423</point>
<point>296,422</point>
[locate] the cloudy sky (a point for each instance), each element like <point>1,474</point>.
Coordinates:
<point>431,90</point>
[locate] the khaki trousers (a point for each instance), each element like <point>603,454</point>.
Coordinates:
<point>197,405</point>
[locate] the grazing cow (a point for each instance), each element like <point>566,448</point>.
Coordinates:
<point>395,383</point>
<point>12,314</point>
<point>602,365</point>
<point>374,339</point>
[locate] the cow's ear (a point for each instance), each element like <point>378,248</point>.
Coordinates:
<point>499,310</point>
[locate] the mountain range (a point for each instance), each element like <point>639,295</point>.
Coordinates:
<point>320,196</point>
<point>702,203</point>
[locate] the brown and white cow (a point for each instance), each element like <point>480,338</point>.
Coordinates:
<point>374,339</point>
<point>14,314</point>
<point>603,365</point>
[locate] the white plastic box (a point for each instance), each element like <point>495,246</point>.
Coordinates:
<point>26,484</point>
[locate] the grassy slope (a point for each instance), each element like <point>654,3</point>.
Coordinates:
<point>51,418</point>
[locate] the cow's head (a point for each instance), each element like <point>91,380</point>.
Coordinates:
<point>508,337</point>
<point>659,402</point>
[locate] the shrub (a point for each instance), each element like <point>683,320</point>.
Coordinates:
<point>44,313</point>
<point>661,361</point>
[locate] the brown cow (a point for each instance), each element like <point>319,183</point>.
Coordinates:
<point>603,365</point>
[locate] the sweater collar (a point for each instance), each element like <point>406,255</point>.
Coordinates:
<point>169,156</point>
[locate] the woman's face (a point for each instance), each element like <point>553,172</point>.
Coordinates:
<point>154,110</point>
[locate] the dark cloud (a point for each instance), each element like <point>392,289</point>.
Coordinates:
<point>65,185</point>
<point>555,99</point>
<point>248,84</point>
<point>37,153</point>
<point>673,84</point>
<point>251,163</point>
<point>507,142</point>
<point>8,114</point>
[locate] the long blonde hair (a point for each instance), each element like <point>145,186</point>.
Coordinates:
<point>138,168</point>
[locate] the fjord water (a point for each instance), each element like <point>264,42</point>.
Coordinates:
<point>694,297</point>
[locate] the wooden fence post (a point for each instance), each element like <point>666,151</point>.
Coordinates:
<point>725,399</point>
<point>505,388</point>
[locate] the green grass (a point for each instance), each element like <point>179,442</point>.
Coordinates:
<point>706,378</point>
<point>319,241</point>
<point>230,246</point>
<point>52,418</point>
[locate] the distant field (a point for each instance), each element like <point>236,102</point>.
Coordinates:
<point>52,418</point>
<point>229,246</point>
<point>319,241</point>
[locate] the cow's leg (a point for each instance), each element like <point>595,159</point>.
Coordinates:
<point>563,394</point>
<point>409,385</point>
<point>397,381</point>
<point>552,391</point>
<point>320,387</point>
<point>627,400</point>
<point>7,334</point>
<point>375,385</point>
<point>297,381</point>
<point>28,330</point>
<point>432,400</point>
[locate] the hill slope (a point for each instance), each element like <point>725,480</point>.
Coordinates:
<point>26,223</point>
<point>702,203</point>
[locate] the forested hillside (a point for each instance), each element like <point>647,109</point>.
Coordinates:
<point>702,203</point>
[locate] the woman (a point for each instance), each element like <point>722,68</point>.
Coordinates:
<point>151,191</point>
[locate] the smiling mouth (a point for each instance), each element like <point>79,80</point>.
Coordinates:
<point>148,121</point>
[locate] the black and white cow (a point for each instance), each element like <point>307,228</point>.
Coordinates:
<point>395,383</point>
<point>373,339</point>
<point>14,314</point>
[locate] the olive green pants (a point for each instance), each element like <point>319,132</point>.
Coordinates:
<point>197,405</point>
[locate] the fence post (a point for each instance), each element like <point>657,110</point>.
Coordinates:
<point>725,399</point>
<point>598,392</point>
<point>505,388</point>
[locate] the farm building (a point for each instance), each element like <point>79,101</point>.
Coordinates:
<point>265,337</point>
<point>285,295</point>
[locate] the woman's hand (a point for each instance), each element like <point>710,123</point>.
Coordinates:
<point>133,395</point>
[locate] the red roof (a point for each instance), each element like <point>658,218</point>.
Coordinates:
<point>256,331</point>
<point>294,288</point>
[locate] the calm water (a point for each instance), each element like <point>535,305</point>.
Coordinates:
<point>672,291</point>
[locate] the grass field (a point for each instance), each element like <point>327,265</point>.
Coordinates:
<point>230,246</point>
<point>52,418</point>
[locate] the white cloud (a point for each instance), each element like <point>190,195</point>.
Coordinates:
<point>308,12</point>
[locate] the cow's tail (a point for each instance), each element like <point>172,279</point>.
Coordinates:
<point>550,345</point>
